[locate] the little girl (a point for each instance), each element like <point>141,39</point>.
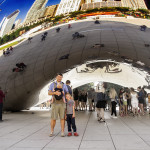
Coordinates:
<point>70,115</point>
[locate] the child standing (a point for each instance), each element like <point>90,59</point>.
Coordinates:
<point>70,116</point>
<point>58,88</point>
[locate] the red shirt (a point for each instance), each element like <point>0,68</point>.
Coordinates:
<point>2,95</point>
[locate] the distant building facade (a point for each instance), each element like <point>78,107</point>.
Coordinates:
<point>134,4</point>
<point>50,11</point>
<point>8,22</point>
<point>17,23</point>
<point>36,11</point>
<point>67,6</point>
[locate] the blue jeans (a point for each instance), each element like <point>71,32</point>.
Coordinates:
<point>71,123</point>
<point>1,110</point>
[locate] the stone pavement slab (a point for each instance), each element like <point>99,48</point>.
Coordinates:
<point>30,131</point>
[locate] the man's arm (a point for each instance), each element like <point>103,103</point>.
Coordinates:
<point>51,90</point>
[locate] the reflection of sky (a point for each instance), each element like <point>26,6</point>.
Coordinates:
<point>10,6</point>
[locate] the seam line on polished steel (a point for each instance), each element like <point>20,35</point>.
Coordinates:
<point>131,41</point>
<point>53,45</point>
<point>109,29</point>
<point>139,35</point>
<point>82,59</point>
<point>118,49</point>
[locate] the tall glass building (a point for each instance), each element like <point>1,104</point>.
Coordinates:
<point>7,23</point>
<point>36,11</point>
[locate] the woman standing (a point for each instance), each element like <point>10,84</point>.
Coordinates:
<point>101,103</point>
<point>82,100</point>
<point>134,101</point>
<point>113,95</point>
<point>121,107</point>
<point>85,100</point>
<point>141,99</point>
<point>125,102</point>
<point>76,98</point>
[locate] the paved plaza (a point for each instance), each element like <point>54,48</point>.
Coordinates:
<point>30,130</point>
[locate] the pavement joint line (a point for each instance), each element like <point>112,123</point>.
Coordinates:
<point>23,126</point>
<point>111,136</point>
<point>51,140</point>
<point>85,130</point>
<point>27,137</point>
<point>135,132</point>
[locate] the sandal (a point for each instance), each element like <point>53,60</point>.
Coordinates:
<point>51,134</point>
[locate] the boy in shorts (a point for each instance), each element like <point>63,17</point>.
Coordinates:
<point>70,115</point>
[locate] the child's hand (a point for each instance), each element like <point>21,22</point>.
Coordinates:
<point>65,117</point>
<point>73,116</point>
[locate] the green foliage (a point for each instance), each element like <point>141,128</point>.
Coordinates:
<point>86,87</point>
<point>57,18</point>
<point>122,9</point>
<point>12,44</point>
<point>144,11</point>
<point>92,10</point>
<point>75,13</point>
<point>107,9</point>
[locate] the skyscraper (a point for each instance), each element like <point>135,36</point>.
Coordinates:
<point>67,6</point>
<point>133,4</point>
<point>36,11</point>
<point>7,23</point>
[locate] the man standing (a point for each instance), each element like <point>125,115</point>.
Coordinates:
<point>2,96</point>
<point>90,97</point>
<point>58,106</point>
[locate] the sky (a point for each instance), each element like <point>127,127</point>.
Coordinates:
<point>9,6</point>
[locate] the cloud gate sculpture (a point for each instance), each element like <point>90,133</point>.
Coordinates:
<point>106,47</point>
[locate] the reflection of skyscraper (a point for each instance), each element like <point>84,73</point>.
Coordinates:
<point>67,6</point>
<point>133,4</point>
<point>7,23</point>
<point>36,11</point>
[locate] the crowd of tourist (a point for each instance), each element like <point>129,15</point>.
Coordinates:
<point>64,103</point>
<point>128,100</point>
<point>8,51</point>
<point>19,67</point>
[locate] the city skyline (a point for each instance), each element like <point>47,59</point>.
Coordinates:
<point>22,5</point>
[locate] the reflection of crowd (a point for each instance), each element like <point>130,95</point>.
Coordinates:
<point>19,67</point>
<point>8,51</point>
